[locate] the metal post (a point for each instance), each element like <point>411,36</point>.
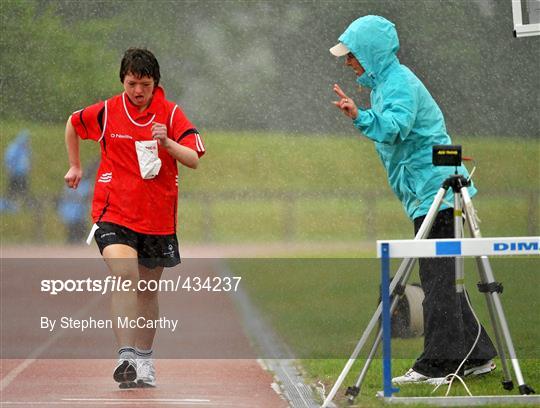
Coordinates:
<point>458,233</point>
<point>386,325</point>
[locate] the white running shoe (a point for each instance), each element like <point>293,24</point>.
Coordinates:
<point>146,373</point>
<point>481,369</point>
<point>413,377</point>
<point>125,372</point>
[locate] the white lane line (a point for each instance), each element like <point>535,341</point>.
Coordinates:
<point>139,399</point>
<point>291,385</point>
<point>9,377</point>
<point>119,402</point>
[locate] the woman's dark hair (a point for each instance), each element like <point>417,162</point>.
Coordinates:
<point>139,62</point>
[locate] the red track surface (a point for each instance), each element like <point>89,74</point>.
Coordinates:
<point>207,321</point>
<point>201,383</point>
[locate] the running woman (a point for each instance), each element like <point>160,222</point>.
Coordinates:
<point>142,137</point>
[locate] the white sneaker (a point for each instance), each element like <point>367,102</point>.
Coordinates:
<point>413,377</point>
<point>125,372</point>
<point>485,368</point>
<point>146,373</point>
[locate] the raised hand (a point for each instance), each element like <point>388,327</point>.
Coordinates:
<point>159,132</point>
<point>345,104</point>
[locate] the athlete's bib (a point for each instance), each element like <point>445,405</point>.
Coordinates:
<point>147,154</point>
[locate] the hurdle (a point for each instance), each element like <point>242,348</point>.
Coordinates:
<point>462,247</point>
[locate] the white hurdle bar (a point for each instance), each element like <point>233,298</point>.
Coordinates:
<point>432,248</point>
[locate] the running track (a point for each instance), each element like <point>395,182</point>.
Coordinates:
<point>204,381</point>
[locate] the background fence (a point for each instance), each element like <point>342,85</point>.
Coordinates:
<point>256,216</point>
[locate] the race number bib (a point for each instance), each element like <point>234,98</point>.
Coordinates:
<point>149,162</point>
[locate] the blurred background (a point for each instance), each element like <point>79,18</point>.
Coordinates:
<point>255,77</point>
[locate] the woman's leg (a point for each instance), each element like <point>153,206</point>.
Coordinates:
<point>122,262</point>
<point>147,307</point>
<point>444,333</point>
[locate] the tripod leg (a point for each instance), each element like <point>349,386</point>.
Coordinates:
<point>507,380</point>
<point>425,228</point>
<point>475,232</point>
<point>494,303</point>
<point>406,264</point>
<point>352,392</point>
<point>460,282</point>
<point>458,233</point>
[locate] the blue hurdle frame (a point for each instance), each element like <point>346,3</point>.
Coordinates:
<point>447,248</point>
<point>388,390</point>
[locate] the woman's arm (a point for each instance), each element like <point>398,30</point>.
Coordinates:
<point>183,154</point>
<point>74,174</point>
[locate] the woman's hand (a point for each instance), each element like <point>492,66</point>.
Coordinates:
<point>345,104</point>
<point>159,132</point>
<point>73,177</point>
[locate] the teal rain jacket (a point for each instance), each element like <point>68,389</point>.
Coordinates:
<point>404,120</point>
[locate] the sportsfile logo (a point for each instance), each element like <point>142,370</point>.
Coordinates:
<point>519,246</point>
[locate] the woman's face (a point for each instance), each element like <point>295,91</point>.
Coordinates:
<point>139,90</point>
<point>351,61</point>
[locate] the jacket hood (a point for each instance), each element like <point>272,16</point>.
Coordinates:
<point>374,42</point>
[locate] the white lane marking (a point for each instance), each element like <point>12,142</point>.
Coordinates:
<point>139,399</point>
<point>119,402</point>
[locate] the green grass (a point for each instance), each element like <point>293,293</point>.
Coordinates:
<point>480,386</point>
<point>320,308</point>
<point>279,187</point>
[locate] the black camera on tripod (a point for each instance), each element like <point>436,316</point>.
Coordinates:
<point>447,155</point>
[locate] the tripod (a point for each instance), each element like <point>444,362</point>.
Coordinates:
<point>487,285</point>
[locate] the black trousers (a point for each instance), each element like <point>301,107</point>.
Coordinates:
<point>449,325</point>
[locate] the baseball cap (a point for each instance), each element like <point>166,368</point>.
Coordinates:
<point>339,50</point>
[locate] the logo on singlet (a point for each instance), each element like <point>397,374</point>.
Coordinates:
<point>120,136</point>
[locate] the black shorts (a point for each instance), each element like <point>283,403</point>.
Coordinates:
<point>152,250</point>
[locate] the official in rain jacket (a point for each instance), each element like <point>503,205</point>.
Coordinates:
<point>404,120</point>
<point>405,123</point>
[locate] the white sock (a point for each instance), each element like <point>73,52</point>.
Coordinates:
<point>127,353</point>
<point>144,354</point>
